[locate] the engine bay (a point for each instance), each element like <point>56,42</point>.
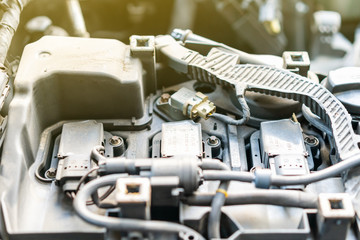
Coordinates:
<point>180,119</point>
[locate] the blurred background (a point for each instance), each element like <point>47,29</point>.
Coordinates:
<point>328,29</point>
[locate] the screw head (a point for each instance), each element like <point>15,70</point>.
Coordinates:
<point>115,140</point>
<point>51,173</point>
<point>213,141</point>
<point>311,140</point>
<point>165,97</point>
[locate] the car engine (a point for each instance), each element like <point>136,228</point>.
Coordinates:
<point>180,119</point>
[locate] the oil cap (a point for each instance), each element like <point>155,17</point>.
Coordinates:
<point>344,83</point>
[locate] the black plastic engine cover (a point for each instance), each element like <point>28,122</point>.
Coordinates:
<point>61,79</point>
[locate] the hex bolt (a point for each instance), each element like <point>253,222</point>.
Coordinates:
<point>115,141</point>
<point>165,97</point>
<point>118,145</point>
<point>51,173</point>
<point>311,140</point>
<point>215,144</point>
<point>213,141</point>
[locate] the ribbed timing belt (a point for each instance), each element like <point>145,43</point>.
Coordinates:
<point>221,67</point>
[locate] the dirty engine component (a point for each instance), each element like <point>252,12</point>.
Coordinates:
<point>179,119</point>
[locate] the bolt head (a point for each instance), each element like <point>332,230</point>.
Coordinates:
<point>165,97</point>
<point>311,140</point>
<point>212,141</point>
<point>51,173</point>
<point>115,140</point>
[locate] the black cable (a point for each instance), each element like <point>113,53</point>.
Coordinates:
<point>315,120</point>
<point>216,175</point>
<point>213,164</point>
<point>218,200</point>
<point>230,121</point>
<point>285,198</point>
<point>215,212</point>
<point>83,178</point>
<point>69,195</point>
<point>240,94</point>
<point>332,171</point>
<point>187,35</point>
<point>95,154</point>
<point>121,224</point>
<point>101,198</point>
<point>107,193</point>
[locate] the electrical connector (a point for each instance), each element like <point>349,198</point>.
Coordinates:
<point>192,104</point>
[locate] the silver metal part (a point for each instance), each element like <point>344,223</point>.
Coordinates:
<point>118,145</point>
<point>181,138</point>
<point>192,104</point>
